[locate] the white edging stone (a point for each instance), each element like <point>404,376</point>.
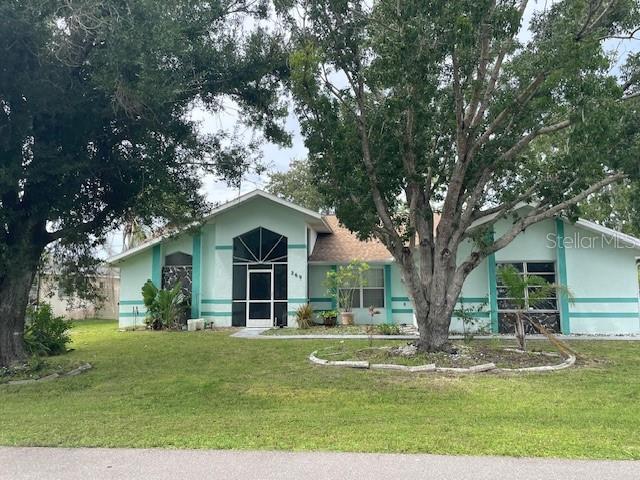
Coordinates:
<point>316,360</point>
<point>389,366</point>
<point>423,368</point>
<point>54,376</point>
<point>486,367</point>
<point>349,364</point>
<point>570,361</point>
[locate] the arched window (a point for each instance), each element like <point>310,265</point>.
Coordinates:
<point>260,246</point>
<point>178,259</point>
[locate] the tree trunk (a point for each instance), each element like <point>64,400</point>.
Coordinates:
<point>433,310</point>
<point>520,332</point>
<point>20,263</point>
<point>433,327</point>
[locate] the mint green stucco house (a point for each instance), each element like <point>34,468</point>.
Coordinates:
<point>253,261</point>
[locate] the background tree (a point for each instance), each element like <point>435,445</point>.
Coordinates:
<point>95,124</point>
<point>617,206</point>
<point>298,185</point>
<point>422,102</point>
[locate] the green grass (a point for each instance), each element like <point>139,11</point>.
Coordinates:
<point>206,390</point>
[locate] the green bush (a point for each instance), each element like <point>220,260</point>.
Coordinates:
<point>46,334</point>
<point>163,305</point>
<point>389,329</point>
<point>304,316</point>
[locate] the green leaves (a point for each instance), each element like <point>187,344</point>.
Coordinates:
<point>342,282</point>
<point>298,185</point>
<point>163,305</point>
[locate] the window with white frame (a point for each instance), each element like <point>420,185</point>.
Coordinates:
<point>545,312</point>
<point>544,270</point>
<point>371,292</point>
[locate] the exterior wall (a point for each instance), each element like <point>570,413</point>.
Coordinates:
<point>183,243</point>
<point>603,279</point>
<point>76,309</point>
<point>318,296</point>
<point>134,272</point>
<point>217,255</point>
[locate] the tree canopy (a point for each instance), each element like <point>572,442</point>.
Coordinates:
<point>416,106</point>
<point>298,185</point>
<point>95,118</point>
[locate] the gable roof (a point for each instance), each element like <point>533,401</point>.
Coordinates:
<point>610,232</point>
<point>343,246</point>
<point>314,219</point>
<point>624,238</point>
<point>335,243</point>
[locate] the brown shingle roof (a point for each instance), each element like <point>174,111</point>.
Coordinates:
<point>342,246</point>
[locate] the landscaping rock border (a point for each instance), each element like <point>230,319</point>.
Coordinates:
<point>486,367</point>
<point>54,376</point>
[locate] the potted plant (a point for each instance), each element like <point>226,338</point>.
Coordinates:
<point>329,318</point>
<point>342,283</point>
<point>304,316</point>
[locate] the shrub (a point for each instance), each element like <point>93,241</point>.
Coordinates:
<point>329,317</point>
<point>163,306</point>
<point>389,329</point>
<point>46,334</point>
<point>304,316</point>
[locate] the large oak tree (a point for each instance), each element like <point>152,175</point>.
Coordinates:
<point>415,106</point>
<point>95,124</point>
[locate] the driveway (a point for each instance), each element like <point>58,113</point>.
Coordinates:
<point>130,464</point>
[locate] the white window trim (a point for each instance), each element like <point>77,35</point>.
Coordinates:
<point>525,272</point>
<point>360,292</point>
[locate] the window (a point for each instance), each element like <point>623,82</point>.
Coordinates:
<point>372,293</point>
<point>260,246</point>
<point>544,270</point>
<point>545,311</point>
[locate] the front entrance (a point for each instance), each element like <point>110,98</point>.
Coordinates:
<point>259,279</point>
<point>260,311</point>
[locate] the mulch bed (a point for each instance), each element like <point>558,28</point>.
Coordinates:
<point>469,355</point>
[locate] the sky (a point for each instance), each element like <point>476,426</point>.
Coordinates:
<point>276,158</point>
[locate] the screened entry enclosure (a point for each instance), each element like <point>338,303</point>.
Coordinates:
<point>259,279</point>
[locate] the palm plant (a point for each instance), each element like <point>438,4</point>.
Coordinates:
<point>527,293</point>
<point>163,305</point>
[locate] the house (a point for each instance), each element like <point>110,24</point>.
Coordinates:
<point>254,260</point>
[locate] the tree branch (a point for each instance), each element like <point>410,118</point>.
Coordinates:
<point>527,139</point>
<point>537,215</point>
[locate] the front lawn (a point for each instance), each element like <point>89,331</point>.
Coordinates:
<point>207,390</point>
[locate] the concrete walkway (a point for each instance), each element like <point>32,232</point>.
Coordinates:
<point>111,464</point>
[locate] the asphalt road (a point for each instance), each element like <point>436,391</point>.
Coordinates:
<point>130,464</point>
